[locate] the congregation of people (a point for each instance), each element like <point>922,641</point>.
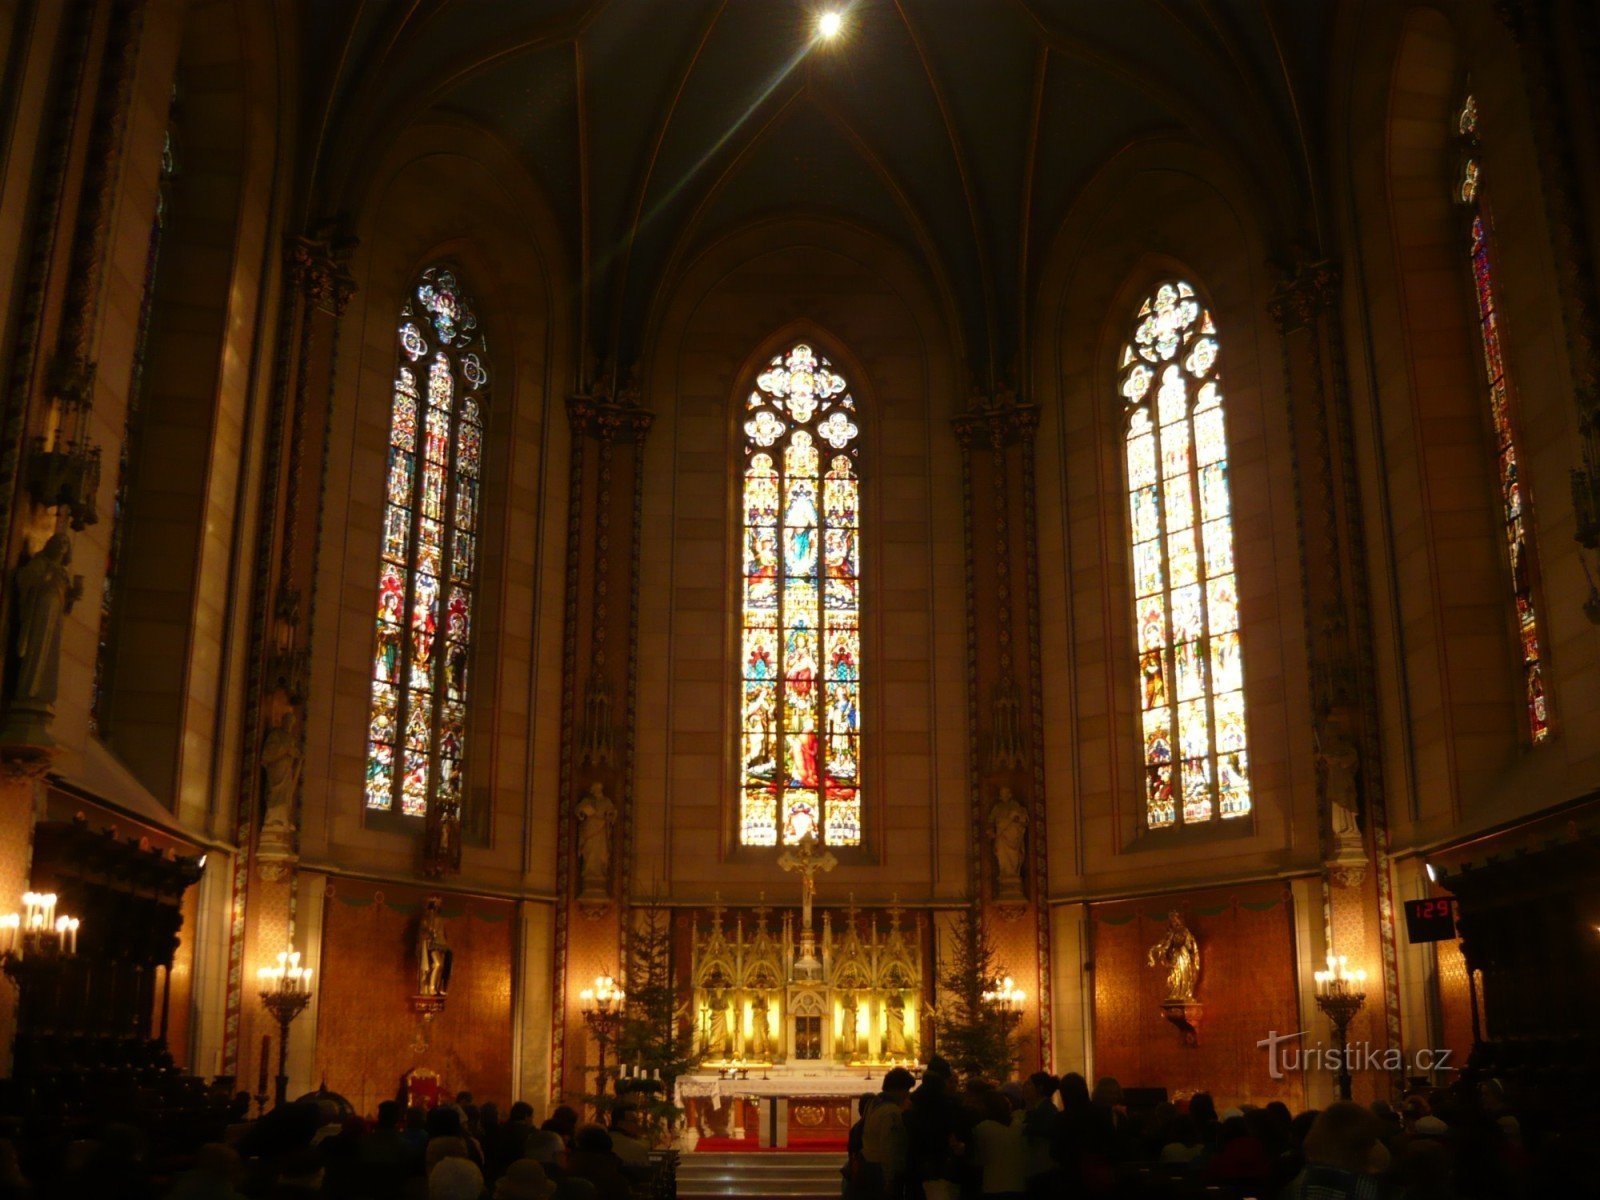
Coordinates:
<point>307,1150</point>
<point>939,1137</point>
<point>942,1138</point>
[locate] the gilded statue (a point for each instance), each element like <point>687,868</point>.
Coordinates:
<point>760,1035</point>
<point>894,1043</point>
<point>1179,953</point>
<point>433,951</point>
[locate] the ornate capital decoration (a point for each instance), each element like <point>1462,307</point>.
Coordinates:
<point>1308,290</point>
<point>319,266</point>
<point>609,412</point>
<point>996,421</point>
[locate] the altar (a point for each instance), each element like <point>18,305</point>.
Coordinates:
<point>800,1020</point>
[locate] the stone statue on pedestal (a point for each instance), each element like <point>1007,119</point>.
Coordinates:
<point>596,815</point>
<point>46,592</point>
<point>1008,827</point>
<point>280,772</point>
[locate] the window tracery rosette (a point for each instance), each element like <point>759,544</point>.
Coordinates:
<point>1186,596</point>
<point>416,735</point>
<point>800,678</point>
<point>1513,515</point>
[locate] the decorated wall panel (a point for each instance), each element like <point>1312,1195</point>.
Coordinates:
<point>1246,989</point>
<point>366,1029</point>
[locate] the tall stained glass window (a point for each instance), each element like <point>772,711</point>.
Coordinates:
<point>800,683</point>
<point>1186,598</point>
<point>1513,498</point>
<point>417,732</point>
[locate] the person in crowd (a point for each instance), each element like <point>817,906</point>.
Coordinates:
<point>384,1156</point>
<point>1338,1152</point>
<point>1182,1141</point>
<point>628,1141</point>
<point>524,1180</point>
<point>563,1119</point>
<point>509,1141</point>
<point>855,1170</point>
<point>1203,1109</point>
<point>216,1175</point>
<point>547,1149</point>
<point>1039,1132</point>
<point>934,1139</point>
<point>883,1140</point>
<point>591,1158</point>
<point>300,1174</point>
<point>999,1149</point>
<point>446,1140</point>
<point>455,1179</point>
<point>1240,1159</point>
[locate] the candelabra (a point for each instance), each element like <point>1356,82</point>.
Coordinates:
<point>602,1007</point>
<point>285,992</point>
<point>1008,999</point>
<point>37,933</point>
<point>1340,996</point>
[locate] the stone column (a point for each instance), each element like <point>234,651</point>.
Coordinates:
<point>282,608</point>
<point>609,426</point>
<point>1005,719</point>
<point>1356,891</point>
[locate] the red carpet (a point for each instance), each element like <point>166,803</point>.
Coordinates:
<point>725,1145</point>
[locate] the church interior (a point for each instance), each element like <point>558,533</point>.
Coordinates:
<point>725,548</point>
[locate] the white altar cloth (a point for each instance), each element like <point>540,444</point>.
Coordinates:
<point>788,1082</point>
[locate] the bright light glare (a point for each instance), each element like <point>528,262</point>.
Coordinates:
<point>829,24</point>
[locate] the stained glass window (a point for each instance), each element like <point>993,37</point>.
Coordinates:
<point>800,679</point>
<point>1512,489</point>
<point>1186,599</point>
<point>417,732</point>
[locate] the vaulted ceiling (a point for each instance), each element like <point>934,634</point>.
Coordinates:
<point>960,128</point>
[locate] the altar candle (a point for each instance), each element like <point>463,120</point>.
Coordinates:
<point>261,1080</point>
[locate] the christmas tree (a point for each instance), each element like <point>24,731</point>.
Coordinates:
<point>656,1041</point>
<point>976,1033</point>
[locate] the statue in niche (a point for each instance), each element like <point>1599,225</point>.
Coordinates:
<point>894,1042</point>
<point>719,1035</point>
<point>760,1035</point>
<point>1179,953</point>
<point>46,592</point>
<point>849,1042</point>
<point>280,772</point>
<point>434,955</point>
<point>1008,827</point>
<point>1340,761</point>
<point>596,815</point>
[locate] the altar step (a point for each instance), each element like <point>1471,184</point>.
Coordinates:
<point>789,1174</point>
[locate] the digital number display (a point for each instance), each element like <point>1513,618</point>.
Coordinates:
<point>1432,920</point>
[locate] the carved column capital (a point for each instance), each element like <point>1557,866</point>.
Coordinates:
<point>319,266</point>
<point>997,422</point>
<point>1308,290</point>
<point>608,419</point>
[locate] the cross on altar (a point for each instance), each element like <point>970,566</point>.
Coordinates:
<point>805,861</point>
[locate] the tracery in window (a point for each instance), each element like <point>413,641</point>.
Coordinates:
<point>417,731</point>
<point>800,686</point>
<point>1513,498</point>
<point>1186,597</point>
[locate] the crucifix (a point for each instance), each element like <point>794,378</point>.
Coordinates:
<point>806,862</point>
